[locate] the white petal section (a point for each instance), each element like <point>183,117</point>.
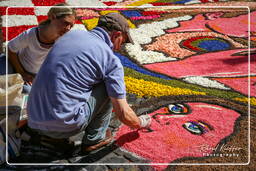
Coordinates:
<point>208,106</point>
<point>41,10</point>
<point>193,2</point>
<point>144,34</point>
<point>79,27</point>
<point>146,5</point>
<point>144,57</point>
<point>205,82</point>
<point>85,3</point>
<point>18,20</point>
<point>23,3</point>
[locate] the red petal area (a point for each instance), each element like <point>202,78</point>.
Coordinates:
<point>3,10</point>
<point>159,4</point>
<point>188,43</point>
<point>110,3</point>
<point>152,12</point>
<point>15,31</point>
<point>78,22</point>
<point>20,11</point>
<point>46,2</point>
<point>41,18</point>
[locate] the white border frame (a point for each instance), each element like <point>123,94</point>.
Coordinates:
<point>149,164</point>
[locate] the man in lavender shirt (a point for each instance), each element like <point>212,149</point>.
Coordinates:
<point>80,83</point>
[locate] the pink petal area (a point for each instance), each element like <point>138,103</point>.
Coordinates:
<point>221,63</point>
<point>235,26</point>
<point>170,43</point>
<point>86,13</point>
<point>170,141</point>
<point>240,84</point>
<point>196,24</point>
<point>145,17</point>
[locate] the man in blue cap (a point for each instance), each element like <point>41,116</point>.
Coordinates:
<point>80,83</point>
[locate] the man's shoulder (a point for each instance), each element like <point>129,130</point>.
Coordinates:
<point>77,32</point>
<point>76,35</point>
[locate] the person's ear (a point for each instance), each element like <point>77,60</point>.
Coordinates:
<point>115,35</point>
<point>116,38</point>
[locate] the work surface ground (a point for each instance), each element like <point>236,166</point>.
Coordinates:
<point>39,154</point>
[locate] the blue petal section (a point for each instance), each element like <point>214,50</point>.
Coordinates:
<point>129,64</point>
<point>131,13</point>
<point>213,45</point>
<point>181,2</point>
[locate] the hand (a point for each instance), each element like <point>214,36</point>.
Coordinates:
<point>145,121</point>
<point>28,78</point>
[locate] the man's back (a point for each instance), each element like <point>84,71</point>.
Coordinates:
<point>77,62</point>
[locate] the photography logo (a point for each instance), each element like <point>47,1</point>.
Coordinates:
<point>222,150</point>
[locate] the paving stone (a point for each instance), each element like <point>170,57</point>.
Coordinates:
<point>122,167</point>
<point>133,99</point>
<point>129,156</point>
<point>75,159</point>
<point>93,156</point>
<point>146,168</point>
<point>60,161</point>
<point>115,160</point>
<point>108,156</point>
<point>96,168</point>
<point>81,169</point>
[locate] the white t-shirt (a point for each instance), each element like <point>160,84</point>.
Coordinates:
<point>27,46</point>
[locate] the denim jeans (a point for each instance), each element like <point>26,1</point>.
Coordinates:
<point>26,87</point>
<point>100,110</point>
<point>3,66</point>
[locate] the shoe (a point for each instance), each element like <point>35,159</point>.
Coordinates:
<point>102,143</point>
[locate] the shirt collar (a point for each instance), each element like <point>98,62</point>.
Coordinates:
<point>102,34</point>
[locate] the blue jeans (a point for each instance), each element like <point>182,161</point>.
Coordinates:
<point>100,110</point>
<point>3,66</point>
<point>26,88</point>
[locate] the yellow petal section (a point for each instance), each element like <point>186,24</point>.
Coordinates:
<point>131,25</point>
<point>245,100</point>
<point>141,2</point>
<point>108,11</point>
<point>90,23</point>
<point>148,88</point>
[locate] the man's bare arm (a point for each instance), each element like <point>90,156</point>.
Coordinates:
<point>125,113</point>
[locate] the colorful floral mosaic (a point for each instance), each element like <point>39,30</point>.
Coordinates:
<point>185,55</point>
